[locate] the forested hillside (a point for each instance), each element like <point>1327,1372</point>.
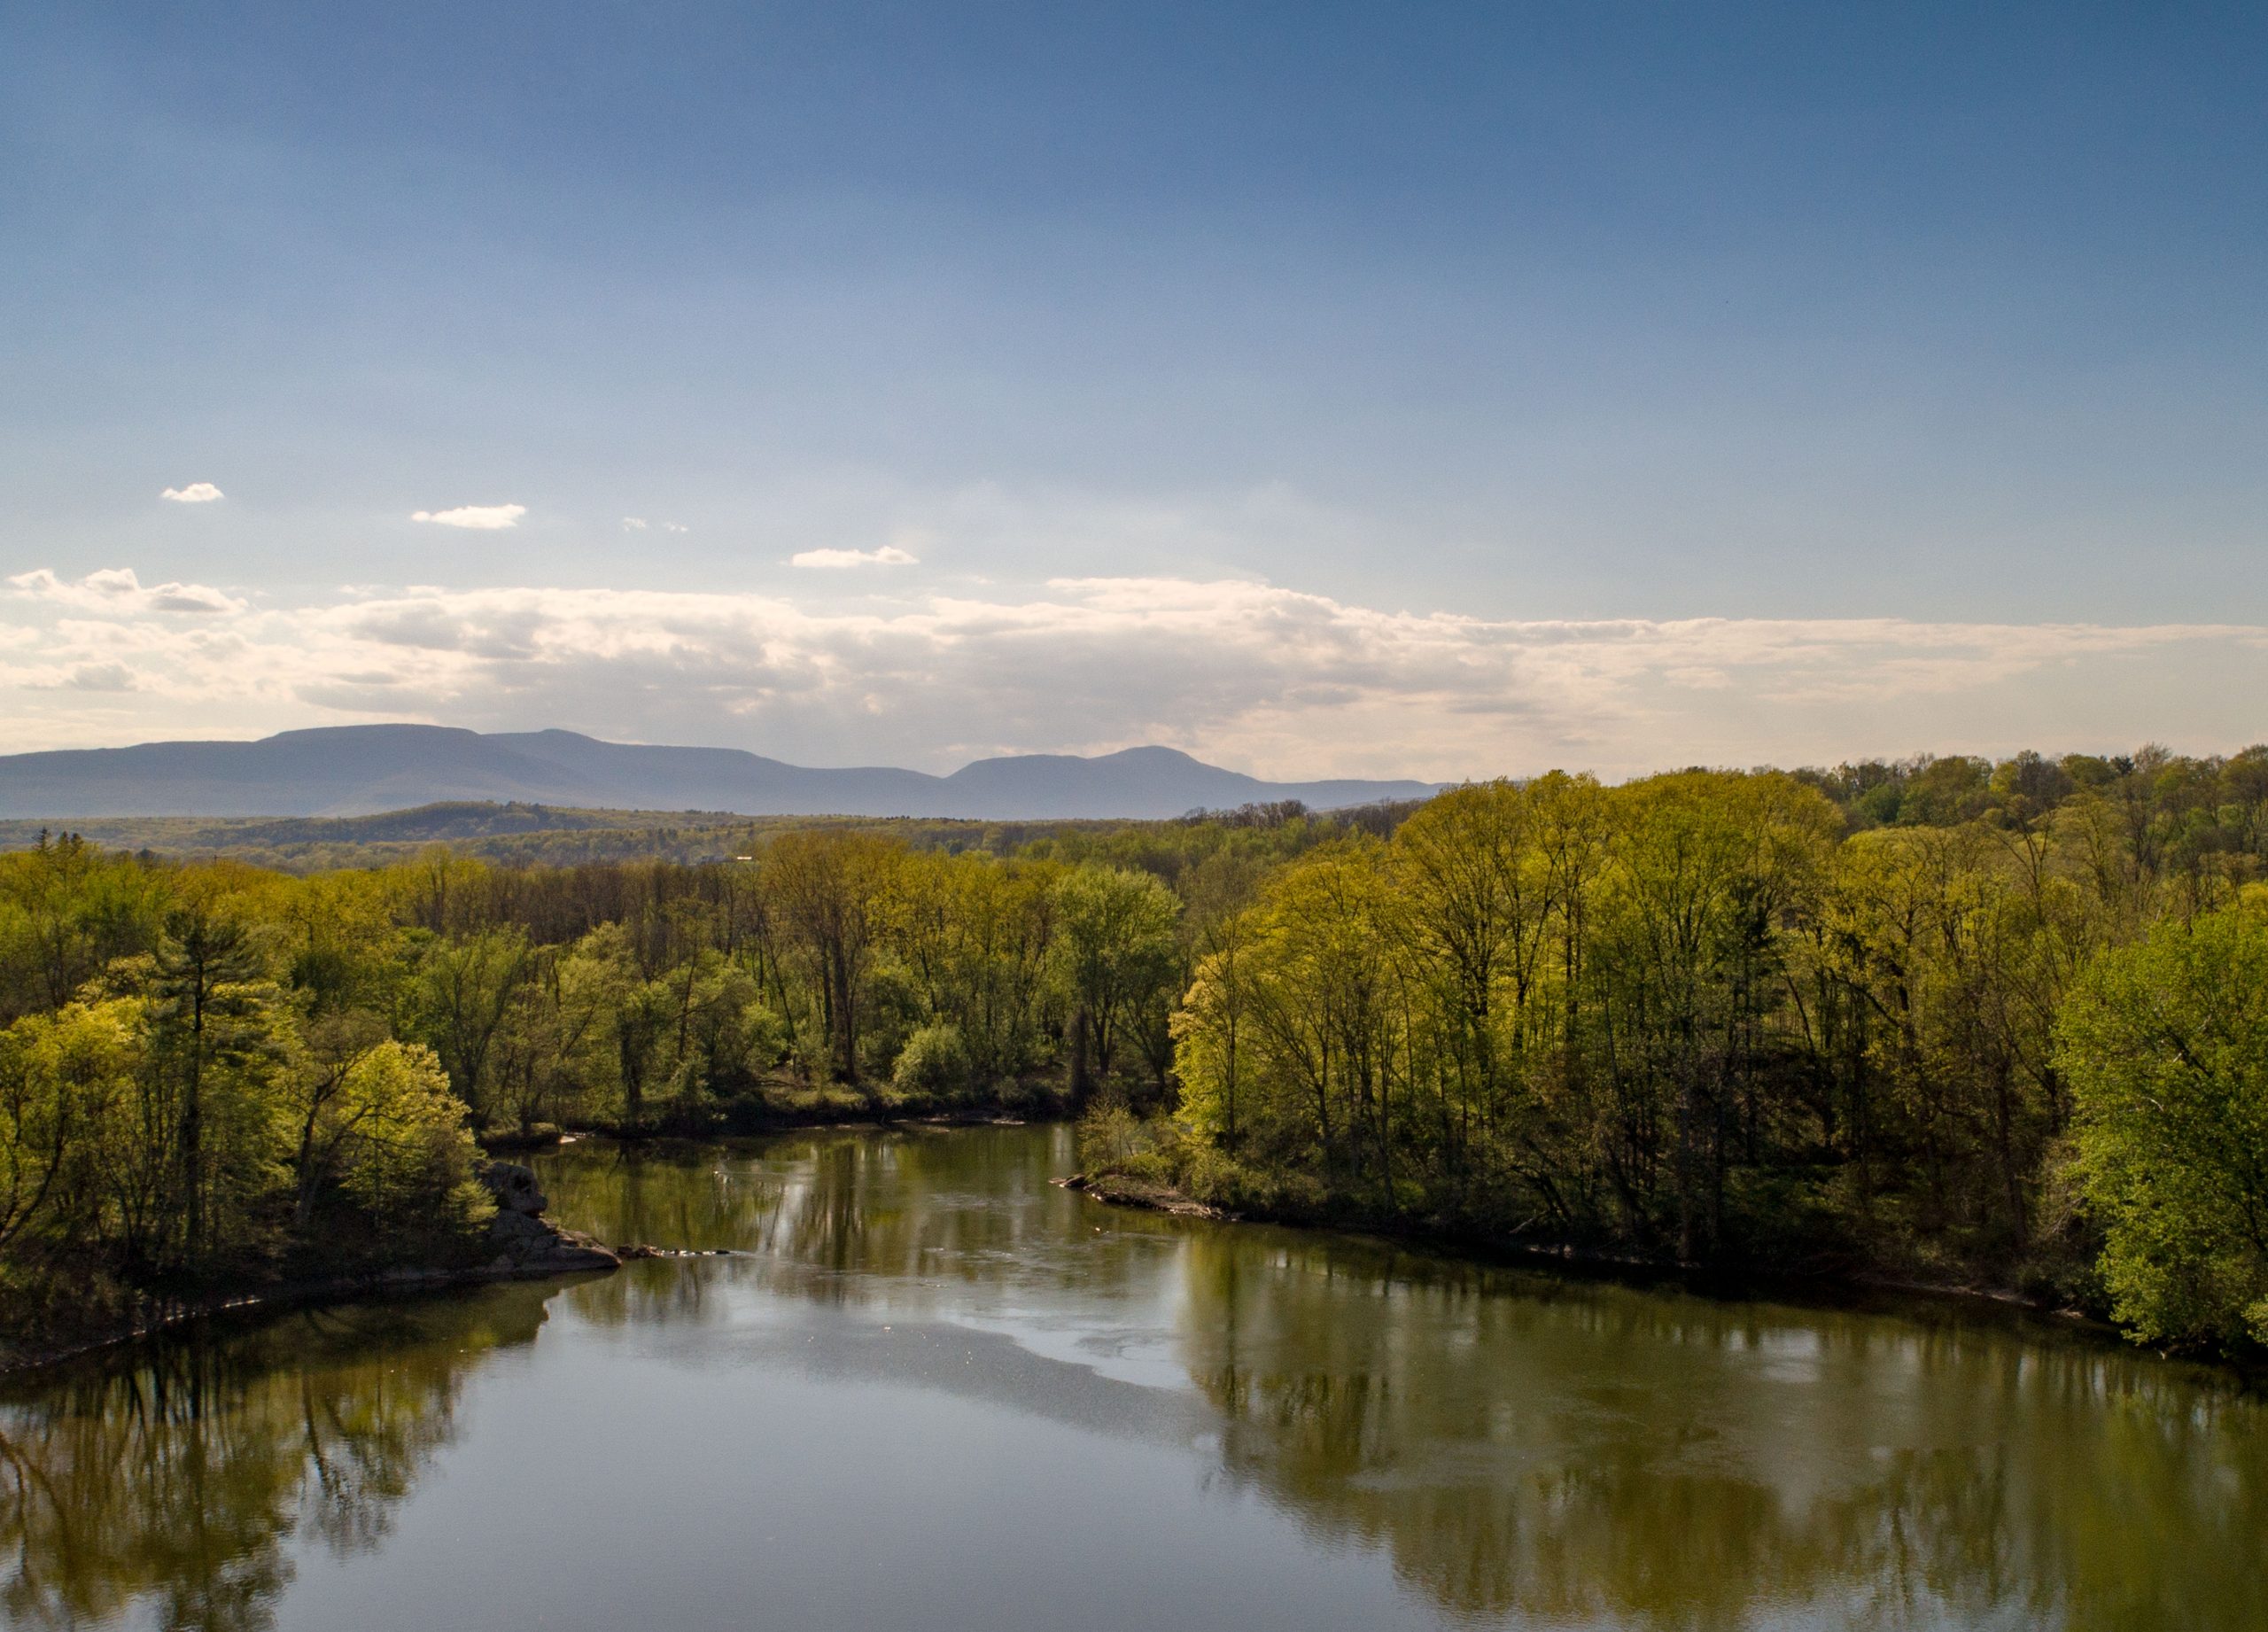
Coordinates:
<point>517,835</point>
<point>346,771</point>
<point>1977,1023</point>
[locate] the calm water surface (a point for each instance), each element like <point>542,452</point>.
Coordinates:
<point>930,1391</point>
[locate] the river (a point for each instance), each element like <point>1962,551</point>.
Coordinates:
<point>923,1388</point>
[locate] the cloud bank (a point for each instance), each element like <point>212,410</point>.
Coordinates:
<point>478,517</point>
<point>195,492</point>
<point>1264,677</point>
<point>118,591</point>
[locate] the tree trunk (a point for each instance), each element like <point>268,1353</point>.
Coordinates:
<point>192,1125</point>
<point>1082,1068</point>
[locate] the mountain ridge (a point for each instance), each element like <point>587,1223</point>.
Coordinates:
<point>364,770</point>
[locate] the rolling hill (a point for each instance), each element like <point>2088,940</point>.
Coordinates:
<point>358,770</point>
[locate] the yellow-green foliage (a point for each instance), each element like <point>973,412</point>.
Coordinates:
<point>401,1150</point>
<point>934,1061</point>
<point>2165,1044</point>
<point>1800,1019</point>
<point>190,1112</point>
<point>1689,1015</point>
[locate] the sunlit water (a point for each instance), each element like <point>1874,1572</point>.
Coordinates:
<point>931,1391</point>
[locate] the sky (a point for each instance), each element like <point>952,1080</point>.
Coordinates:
<point>1430,390</point>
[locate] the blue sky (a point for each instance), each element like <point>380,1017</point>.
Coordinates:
<point>1563,321</point>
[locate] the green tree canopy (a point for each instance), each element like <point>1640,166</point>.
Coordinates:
<point>2165,1043</point>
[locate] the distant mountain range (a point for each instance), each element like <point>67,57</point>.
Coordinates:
<point>356,770</point>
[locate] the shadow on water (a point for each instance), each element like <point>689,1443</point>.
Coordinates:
<point>168,1476</point>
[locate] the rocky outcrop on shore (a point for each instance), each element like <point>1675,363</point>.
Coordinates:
<point>523,1241</point>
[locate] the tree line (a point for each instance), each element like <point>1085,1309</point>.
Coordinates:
<point>513,834</point>
<point>1874,1017</point>
<point>2003,1024</point>
<point>211,1072</point>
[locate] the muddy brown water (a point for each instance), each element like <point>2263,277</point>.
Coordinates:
<point>927,1390</point>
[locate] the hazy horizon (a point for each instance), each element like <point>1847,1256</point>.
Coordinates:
<point>2049,749</point>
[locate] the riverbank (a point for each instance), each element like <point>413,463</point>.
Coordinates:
<point>155,1317</point>
<point>1124,1190</point>
<point>1826,1286</point>
<point>1373,1408</point>
<point>1818,1287</point>
<point>518,1244</point>
<point>788,1107</point>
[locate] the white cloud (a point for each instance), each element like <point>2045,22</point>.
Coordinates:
<point>675,526</point>
<point>887,556</point>
<point>117,589</point>
<point>478,517</point>
<point>195,492</point>
<point>1248,674</point>
<point>634,524</point>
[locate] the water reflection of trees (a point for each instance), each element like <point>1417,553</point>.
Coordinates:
<point>844,1218</point>
<point>1587,1454</point>
<point>1526,1446</point>
<point>173,1475</point>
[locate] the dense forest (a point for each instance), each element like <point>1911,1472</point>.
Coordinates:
<point>1991,1024</point>
<point>213,1075</point>
<point>2000,1025</point>
<point>522,835</point>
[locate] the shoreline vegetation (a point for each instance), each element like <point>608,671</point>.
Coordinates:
<point>1814,1286</point>
<point>519,1243</point>
<point>1945,1023</point>
<point>1711,1022</point>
